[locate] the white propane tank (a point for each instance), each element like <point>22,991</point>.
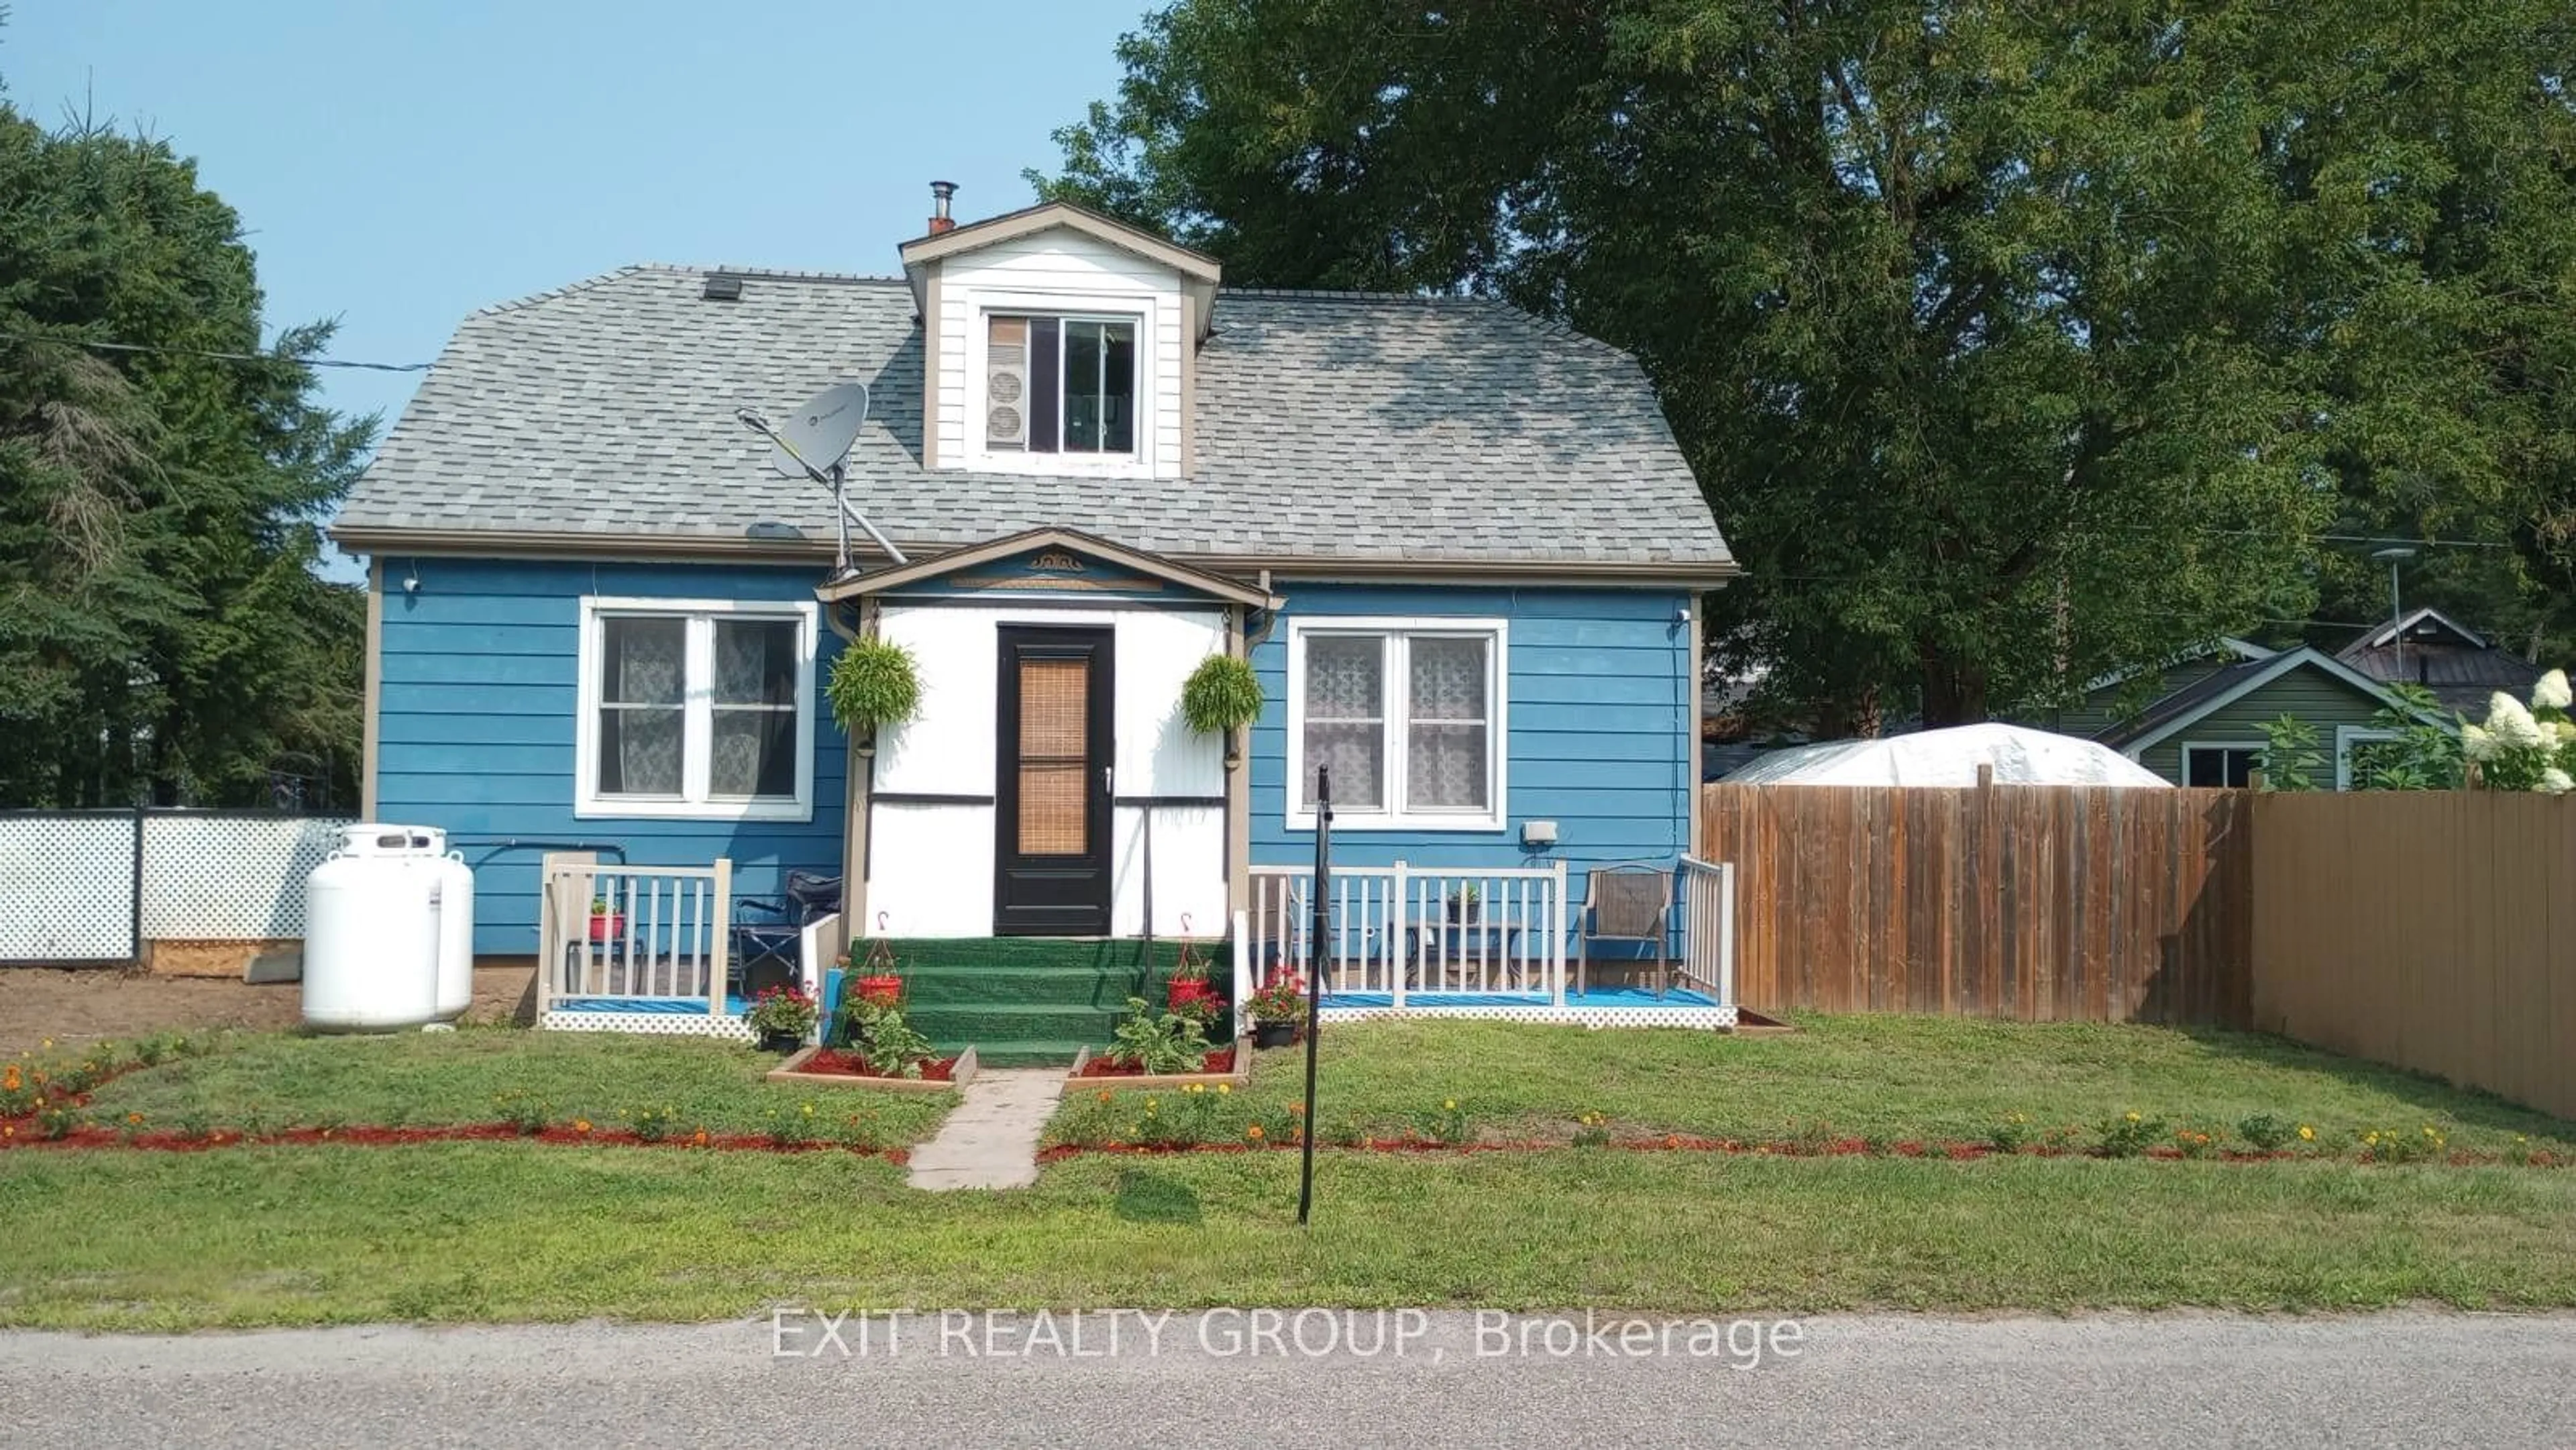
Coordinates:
<point>371,932</point>
<point>455,926</point>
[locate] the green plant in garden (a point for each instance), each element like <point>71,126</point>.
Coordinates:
<point>653,1124</point>
<point>2128,1136</point>
<point>1155,1042</point>
<point>2382,1145</point>
<point>525,1116</point>
<point>1592,1130</point>
<point>790,1128</point>
<point>892,1046</point>
<point>2291,757</point>
<point>875,682</point>
<point>1220,696</point>
<point>2010,1135</point>
<point>2265,1133</point>
<point>1447,1123</point>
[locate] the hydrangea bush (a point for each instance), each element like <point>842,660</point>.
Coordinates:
<point>2526,748</point>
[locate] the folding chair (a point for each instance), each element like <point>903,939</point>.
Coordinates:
<point>768,932</point>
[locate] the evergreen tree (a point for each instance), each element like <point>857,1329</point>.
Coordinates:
<point>164,636</point>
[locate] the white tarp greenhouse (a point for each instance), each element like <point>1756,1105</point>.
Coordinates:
<point>1950,757</point>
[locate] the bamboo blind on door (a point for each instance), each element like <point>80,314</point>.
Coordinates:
<point>1054,755</point>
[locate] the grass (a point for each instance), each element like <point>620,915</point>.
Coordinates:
<point>273,1081</point>
<point>519,1231</point>
<point>510,1231</point>
<point>1890,1078</point>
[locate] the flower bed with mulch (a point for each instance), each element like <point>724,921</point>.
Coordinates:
<point>162,1141</point>
<point>1846,1148</point>
<point>1229,1065</point>
<point>834,1067</point>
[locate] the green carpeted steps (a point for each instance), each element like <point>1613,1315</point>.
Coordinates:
<point>1030,1001</point>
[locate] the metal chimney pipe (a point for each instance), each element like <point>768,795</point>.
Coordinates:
<point>941,193</point>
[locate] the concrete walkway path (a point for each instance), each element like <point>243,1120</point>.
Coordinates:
<point>991,1140</point>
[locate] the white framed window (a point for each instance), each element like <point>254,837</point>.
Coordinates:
<point>1056,383</point>
<point>695,708</point>
<point>1059,383</point>
<point>2221,763</point>
<point>1409,715</point>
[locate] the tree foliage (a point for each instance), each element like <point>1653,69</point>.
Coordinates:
<point>163,634</point>
<point>2012,342</point>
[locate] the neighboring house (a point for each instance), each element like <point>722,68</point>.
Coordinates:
<point>1457,543</point>
<point>2210,731</point>
<point>2457,664</point>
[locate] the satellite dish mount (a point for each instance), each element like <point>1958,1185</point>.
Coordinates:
<point>813,444</point>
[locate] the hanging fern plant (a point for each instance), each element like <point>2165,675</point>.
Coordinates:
<point>1221,696</point>
<point>874,683</point>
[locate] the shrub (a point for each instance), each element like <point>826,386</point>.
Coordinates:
<point>2128,1136</point>
<point>1221,695</point>
<point>892,1046</point>
<point>1447,1123</point>
<point>2265,1133</point>
<point>1157,1042</point>
<point>874,683</point>
<point>2380,1145</point>
<point>2010,1135</point>
<point>526,1118</point>
<point>56,1122</point>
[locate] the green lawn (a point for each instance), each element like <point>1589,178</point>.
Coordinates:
<point>277,1080</point>
<point>511,1231</point>
<point>523,1231</point>
<point>1888,1078</point>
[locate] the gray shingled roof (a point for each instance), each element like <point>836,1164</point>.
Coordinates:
<point>1329,425</point>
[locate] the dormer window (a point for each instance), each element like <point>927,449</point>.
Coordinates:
<point>1060,384</point>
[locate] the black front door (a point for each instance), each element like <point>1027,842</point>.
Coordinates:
<point>1051,785</point>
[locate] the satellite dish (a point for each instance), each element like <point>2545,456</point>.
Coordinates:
<point>812,443</point>
<point>814,438</point>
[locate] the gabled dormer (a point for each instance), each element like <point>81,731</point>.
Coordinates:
<point>1057,341</point>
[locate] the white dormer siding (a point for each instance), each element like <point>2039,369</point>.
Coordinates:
<point>1058,272</point>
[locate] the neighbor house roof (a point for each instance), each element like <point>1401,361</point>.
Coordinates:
<point>2431,649</point>
<point>2221,688</point>
<point>1381,433</point>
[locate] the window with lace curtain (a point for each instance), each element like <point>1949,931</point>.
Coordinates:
<point>696,708</point>
<point>1408,716</point>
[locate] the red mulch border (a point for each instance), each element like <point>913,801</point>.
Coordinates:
<point>1675,1143</point>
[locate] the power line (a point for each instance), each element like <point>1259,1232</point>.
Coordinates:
<point>199,352</point>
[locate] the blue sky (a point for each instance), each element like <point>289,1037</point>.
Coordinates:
<point>399,163</point>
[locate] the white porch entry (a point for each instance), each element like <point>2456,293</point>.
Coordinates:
<point>930,867</point>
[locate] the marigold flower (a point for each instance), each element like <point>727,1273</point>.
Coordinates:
<point>2133,1117</point>
<point>1223,1088</point>
<point>2307,1134</point>
<point>581,1125</point>
<point>1449,1106</point>
<point>1253,1132</point>
<point>134,1118</point>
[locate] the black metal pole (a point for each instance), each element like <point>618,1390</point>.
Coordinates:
<point>1315,982</point>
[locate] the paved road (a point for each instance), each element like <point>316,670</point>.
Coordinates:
<point>2398,1379</point>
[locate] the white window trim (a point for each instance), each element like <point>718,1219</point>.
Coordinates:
<point>2188,746</point>
<point>698,714</point>
<point>1394,816</point>
<point>2348,736</point>
<point>1143,310</point>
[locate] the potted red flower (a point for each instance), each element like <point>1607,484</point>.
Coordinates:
<point>1278,1008</point>
<point>783,1017</point>
<point>882,989</point>
<point>606,924</point>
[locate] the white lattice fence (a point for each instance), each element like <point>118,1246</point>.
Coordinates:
<point>66,888</point>
<point>230,878</point>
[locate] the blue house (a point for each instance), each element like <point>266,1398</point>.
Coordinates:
<point>1456,543</point>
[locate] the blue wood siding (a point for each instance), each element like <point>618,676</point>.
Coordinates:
<point>1599,719</point>
<point>475,731</point>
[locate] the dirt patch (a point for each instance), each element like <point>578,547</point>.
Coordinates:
<point>73,1007</point>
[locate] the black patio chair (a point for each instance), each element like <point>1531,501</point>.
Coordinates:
<point>768,932</point>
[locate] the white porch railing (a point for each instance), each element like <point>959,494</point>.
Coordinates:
<point>1400,930</point>
<point>634,931</point>
<point>1708,927</point>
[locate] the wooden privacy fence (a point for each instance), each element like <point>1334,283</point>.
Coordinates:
<point>2048,903</point>
<point>2436,931</point>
